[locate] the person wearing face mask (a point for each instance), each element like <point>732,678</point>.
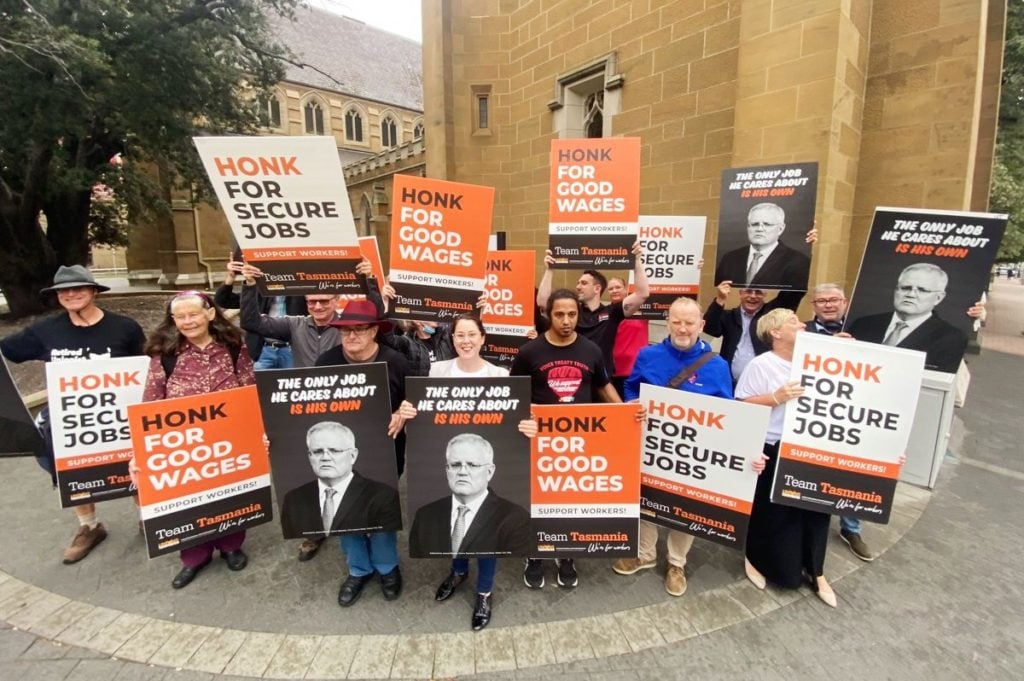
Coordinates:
<point>685,362</point>
<point>435,338</point>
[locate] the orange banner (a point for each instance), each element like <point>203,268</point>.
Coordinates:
<point>509,288</point>
<point>595,180</point>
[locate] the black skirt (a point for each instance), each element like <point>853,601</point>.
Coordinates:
<point>783,542</point>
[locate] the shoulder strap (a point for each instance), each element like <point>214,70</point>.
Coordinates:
<point>678,379</point>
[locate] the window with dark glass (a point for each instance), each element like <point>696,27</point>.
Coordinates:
<point>353,126</point>
<point>314,118</point>
<point>388,132</point>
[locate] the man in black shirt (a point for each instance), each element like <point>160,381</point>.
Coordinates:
<point>86,331</point>
<point>564,367</point>
<point>598,322</point>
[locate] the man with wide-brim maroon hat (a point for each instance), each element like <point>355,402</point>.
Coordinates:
<point>375,552</point>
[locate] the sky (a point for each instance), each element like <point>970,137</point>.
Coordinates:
<point>398,16</point>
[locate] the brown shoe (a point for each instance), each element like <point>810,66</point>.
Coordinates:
<point>85,541</point>
<point>629,566</point>
<point>857,545</point>
<point>308,548</point>
<point>675,581</point>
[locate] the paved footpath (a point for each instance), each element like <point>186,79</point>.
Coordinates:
<point>944,601</point>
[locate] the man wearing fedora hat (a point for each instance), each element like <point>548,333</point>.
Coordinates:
<point>376,552</point>
<point>82,331</point>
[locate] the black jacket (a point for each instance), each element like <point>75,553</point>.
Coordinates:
<point>499,528</point>
<point>367,506</point>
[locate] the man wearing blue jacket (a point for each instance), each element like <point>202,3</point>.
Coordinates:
<point>686,362</point>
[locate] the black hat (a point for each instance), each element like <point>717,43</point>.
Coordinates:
<point>73,277</point>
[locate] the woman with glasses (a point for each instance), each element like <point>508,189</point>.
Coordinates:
<point>196,350</point>
<point>468,335</point>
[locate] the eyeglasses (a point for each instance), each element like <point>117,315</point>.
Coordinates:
<point>827,301</point>
<point>350,330</point>
<point>459,465</point>
<point>319,303</point>
<point>906,288</point>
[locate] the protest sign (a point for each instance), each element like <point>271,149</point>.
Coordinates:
<point>695,474</point>
<point>595,202</point>
<point>673,245</point>
<point>286,202</point>
<point>764,215</point>
<point>585,480</point>
<point>89,419</point>
<point>327,428</point>
<point>370,251</point>
<point>439,234</point>
<point>203,469</point>
<point>463,443</point>
<point>843,438</point>
<point>924,268</point>
<point>18,433</point>
<point>508,313</point>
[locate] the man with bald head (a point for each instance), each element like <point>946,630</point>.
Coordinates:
<point>766,262</point>
<point>685,362</point>
<point>913,323</point>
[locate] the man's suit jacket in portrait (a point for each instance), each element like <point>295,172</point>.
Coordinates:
<point>942,343</point>
<point>499,528</point>
<point>785,268</point>
<point>367,506</point>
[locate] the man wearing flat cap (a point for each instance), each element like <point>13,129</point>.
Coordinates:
<point>82,331</point>
<point>374,552</point>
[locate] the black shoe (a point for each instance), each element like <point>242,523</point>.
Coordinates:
<point>187,574</point>
<point>533,575</point>
<point>237,560</point>
<point>308,548</point>
<point>352,589</point>
<point>482,611</point>
<point>391,584</point>
<point>568,578</point>
<point>449,585</point>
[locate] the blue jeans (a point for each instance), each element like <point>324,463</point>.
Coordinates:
<point>274,358</point>
<point>485,569</point>
<point>850,524</point>
<point>366,553</point>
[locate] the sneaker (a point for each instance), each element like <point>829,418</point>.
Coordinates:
<point>675,581</point>
<point>630,566</point>
<point>568,578</point>
<point>533,575</point>
<point>857,545</point>
<point>85,540</point>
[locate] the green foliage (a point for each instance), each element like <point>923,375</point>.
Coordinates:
<point>1006,194</point>
<point>82,81</point>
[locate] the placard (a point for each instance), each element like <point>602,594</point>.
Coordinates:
<point>585,481</point>
<point>92,444</point>
<point>439,234</point>
<point>464,444</point>
<point>673,247</point>
<point>19,435</point>
<point>695,474</point>
<point>595,202</point>
<point>843,438</point>
<point>203,468</point>
<point>288,208</point>
<point>507,315</point>
<point>766,210</point>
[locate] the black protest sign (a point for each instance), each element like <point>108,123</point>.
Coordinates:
<point>18,433</point>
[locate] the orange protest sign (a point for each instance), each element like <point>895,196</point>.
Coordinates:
<point>509,289</point>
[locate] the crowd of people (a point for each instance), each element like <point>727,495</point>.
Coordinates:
<point>195,350</point>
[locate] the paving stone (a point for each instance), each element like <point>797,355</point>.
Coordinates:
<point>9,586</point>
<point>710,611</point>
<point>117,633</point>
<point>334,658</point>
<point>38,670</point>
<point>216,650</point>
<point>638,629</point>
<point>83,622</point>
<point>147,640</point>
<point>293,657</point>
<point>255,653</point>
<point>670,620</point>
<point>95,670</point>
<point>37,610</point>
<point>605,635</point>
<point>568,641</point>
<point>454,655</point>
<point>176,651</point>
<point>757,601</point>
<point>494,650</point>
<point>414,657</point>
<point>19,599</point>
<point>42,649</point>
<point>374,657</point>
<point>533,646</point>
<point>14,643</point>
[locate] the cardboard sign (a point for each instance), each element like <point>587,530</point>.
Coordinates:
<point>767,211</point>
<point>842,439</point>
<point>89,419</point>
<point>595,202</point>
<point>673,245</point>
<point>369,249</point>
<point>327,427</point>
<point>585,481</point>
<point>286,202</point>
<point>439,233</point>
<point>203,468</point>
<point>928,266</point>
<point>695,474</point>
<point>18,433</point>
<point>465,443</point>
<point>508,314</point>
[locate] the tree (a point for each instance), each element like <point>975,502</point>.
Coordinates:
<point>87,85</point>
<point>1008,170</point>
